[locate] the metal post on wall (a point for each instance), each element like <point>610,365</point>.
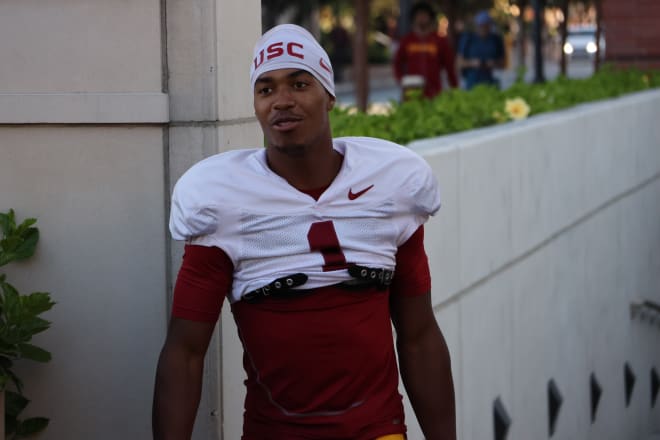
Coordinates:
<point>539,10</point>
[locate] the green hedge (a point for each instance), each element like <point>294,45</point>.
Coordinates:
<point>459,110</point>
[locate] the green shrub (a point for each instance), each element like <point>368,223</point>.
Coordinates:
<point>19,322</point>
<point>459,110</point>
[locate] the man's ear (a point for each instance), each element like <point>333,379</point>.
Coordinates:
<point>331,102</point>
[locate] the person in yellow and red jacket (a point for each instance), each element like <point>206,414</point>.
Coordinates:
<point>424,53</point>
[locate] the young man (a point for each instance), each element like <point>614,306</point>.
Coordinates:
<point>480,53</point>
<point>303,237</point>
<point>423,52</point>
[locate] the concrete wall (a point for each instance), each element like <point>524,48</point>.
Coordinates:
<point>82,149</point>
<point>102,106</point>
<point>209,47</point>
<point>549,230</point>
<point>102,257</point>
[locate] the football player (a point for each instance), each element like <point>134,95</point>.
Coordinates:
<point>317,244</point>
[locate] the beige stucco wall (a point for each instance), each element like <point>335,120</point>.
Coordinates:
<point>83,149</point>
<point>80,46</point>
<point>98,195</point>
<point>103,105</point>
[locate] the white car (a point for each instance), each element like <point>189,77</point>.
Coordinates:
<point>581,42</point>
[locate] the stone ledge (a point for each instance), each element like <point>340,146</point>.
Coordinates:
<point>84,108</point>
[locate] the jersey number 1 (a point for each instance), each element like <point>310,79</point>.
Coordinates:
<point>322,237</point>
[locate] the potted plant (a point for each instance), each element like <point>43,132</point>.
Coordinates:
<point>19,322</point>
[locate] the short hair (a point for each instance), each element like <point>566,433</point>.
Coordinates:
<point>422,7</point>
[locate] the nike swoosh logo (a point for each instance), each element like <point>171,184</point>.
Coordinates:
<point>353,196</point>
<point>323,65</point>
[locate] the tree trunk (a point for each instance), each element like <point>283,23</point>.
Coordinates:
<point>539,10</point>
<point>563,32</point>
<point>360,65</point>
<point>599,30</point>
<point>522,37</point>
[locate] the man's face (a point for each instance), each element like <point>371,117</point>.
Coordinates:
<point>292,108</point>
<point>422,23</point>
<point>483,29</point>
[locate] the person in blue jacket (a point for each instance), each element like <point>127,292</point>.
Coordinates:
<point>480,52</point>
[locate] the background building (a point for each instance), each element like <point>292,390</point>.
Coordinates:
<point>633,34</point>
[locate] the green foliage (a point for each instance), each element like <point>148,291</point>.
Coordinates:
<point>18,242</point>
<point>19,321</point>
<point>459,110</point>
<point>15,403</point>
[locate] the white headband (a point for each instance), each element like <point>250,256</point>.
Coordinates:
<point>289,46</point>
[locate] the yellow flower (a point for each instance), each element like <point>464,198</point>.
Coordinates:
<point>516,108</point>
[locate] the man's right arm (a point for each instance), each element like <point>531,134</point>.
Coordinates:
<point>448,61</point>
<point>203,281</point>
<point>399,62</point>
<point>179,379</point>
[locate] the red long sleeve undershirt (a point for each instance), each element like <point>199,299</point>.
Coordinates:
<point>206,273</point>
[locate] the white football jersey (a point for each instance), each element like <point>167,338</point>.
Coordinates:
<point>269,229</point>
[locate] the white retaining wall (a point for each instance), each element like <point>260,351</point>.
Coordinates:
<point>550,229</point>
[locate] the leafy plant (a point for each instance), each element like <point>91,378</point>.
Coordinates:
<point>19,322</point>
<point>458,110</point>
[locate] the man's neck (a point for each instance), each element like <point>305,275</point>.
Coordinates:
<point>421,35</point>
<point>309,169</point>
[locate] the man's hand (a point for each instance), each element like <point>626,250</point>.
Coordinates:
<point>425,365</point>
<point>179,379</point>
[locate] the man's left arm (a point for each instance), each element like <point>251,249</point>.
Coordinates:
<point>500,55</point>
<point>425,365</point>
<point>400,62</point>
<point>448,61</point>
